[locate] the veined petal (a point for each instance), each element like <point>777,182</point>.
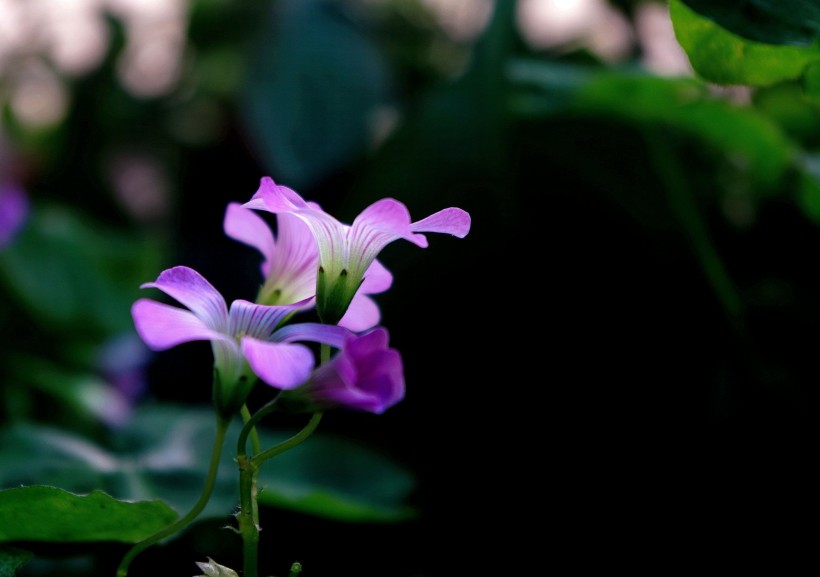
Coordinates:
<point>192,290</point>
<point>362,314</point>
<point>452,220</point>
<point>281,365</point>
<point>332,335</point>
<point>163,326</point>
<point>247,318</point>
<point>377,226</point>
<point>293,271</point>
<point>246,226</point>
<point>276,198</point>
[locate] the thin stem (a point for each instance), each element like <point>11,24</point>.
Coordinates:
<point>324,353</point>
<point>290,443</point>
<point>250,428</point>
<point>248,516</point>
<point>254,434</point>
<point>221,429</point>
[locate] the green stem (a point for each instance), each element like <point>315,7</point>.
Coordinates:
<point>260,458</point>
<point>248,516</point>
<point>221,429</point>
<point>250,428</point>
<point>254,434</point>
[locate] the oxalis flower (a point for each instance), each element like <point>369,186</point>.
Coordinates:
<point>247,340</point>
<point>290,263</point>
<point>365,375</point>
<point>347,252</point>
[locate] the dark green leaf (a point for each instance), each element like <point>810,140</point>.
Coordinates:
<point>42,513</point>
<point>314,82</point>
<point>772,21</point>
<point>11,558</point>
<point>164,455</point>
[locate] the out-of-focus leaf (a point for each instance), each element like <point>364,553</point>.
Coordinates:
<point>745,135</point>
<point>164,454</point>
<point>71,272</point>
<point>772,21</point>
<point>11,559</point>
<point>334,478</point>
<point>725,58</point>
<point>313,84</point>
<point>43,513</point>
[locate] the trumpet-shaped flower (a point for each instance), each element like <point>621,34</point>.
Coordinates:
<point>247,340</point>
<point>290,263</point>
<point>346,252</point>
<point>365,375</point>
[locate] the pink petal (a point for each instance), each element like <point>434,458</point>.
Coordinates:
<point>276,198</point>
<point>450,220</point>
<point>246,226</point>
<point>163,326</point>
<point>377,279</point>
<point>281,365</point>
<point>192,290</point>
<point>362,314</point>
<point>247,318</point>
<point>332,335</point>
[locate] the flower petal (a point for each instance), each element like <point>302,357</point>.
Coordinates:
<point>163,326</point>
<point>192,290</point>
<point>332,335</point>
<point>377,279</point>
<point>362,314</point>
<point>247,318</point>
<point>281,365</point>
<point>293,270</point>
<point>275,198</point>
<point>246,226</point>
<point>452,220</point>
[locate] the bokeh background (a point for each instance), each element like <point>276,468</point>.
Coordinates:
<point>617,360</point>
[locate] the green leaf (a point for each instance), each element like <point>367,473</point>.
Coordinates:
<point>772,21</point>
<point>314,82</point>
<point>43,513</point>
<point>722,57</point>
<point>750,139</point>
<point>335,478</point>
<point>11,558</point>
<point>164,454</point>
<point>69,272</point>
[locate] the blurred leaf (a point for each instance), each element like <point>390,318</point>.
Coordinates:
<point>330,477</point>
<point>42,513</point>
<point>725,58</point>
<point>164,454</point>
<point>313,83</point>
<point>72,272</point>
<point>771,21</point>
<point>11,558</point>
<point>751,140</point>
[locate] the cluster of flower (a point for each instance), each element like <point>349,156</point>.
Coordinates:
<point>313,262</point>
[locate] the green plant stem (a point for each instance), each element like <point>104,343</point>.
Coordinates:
<point>248,516</point>
<point>255,444</point>
<point>222,425</point>
<point>250,428</point>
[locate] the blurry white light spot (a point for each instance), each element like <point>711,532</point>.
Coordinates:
<point>141,186</point>
<point>78,45</point>
<point>150,69</point>
<point>461,19</point>
<point>39,98</point>
<point>661,51</point>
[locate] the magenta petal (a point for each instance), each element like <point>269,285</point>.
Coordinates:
<point>248,227</point>
<point>192,290</point>
<point>362,314</point>
<point>247,318</point>
<point>450,220</point>
<point>281,365</point>
<point>163,326</point>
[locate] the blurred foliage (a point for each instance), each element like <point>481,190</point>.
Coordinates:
<point>674,216</point>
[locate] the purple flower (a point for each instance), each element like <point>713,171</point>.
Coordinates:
<point>291,261</point>
<point>14,208</point>
<point>365,375</point>
<point>347,252</point>
<point>246,340</point>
